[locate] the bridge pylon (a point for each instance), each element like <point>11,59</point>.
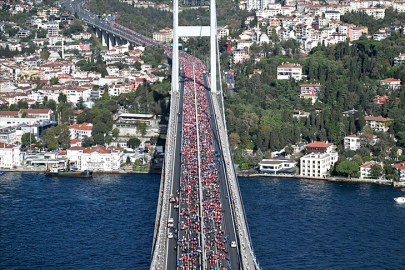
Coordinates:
<point>195,31</point>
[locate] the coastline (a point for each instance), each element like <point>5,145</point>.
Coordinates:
<point>239,174</point>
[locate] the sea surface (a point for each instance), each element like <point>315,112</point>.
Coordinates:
<point>107,223</point>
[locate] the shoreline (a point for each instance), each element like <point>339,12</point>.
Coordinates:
<point>241,174</point>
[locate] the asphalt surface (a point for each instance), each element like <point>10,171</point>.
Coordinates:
<point>228,225</point>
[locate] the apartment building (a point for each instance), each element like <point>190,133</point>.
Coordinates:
<point>289,70</point>
<point>164,35</point>
<point>9,155</point>
<point>400,167</point>
<point>393,84</point>
<point>79,131</point>
<point>378,123</point>
<point>97,158</point>
<point>365,168</point>
<point>317,164</point>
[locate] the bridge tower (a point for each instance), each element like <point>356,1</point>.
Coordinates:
<point>194,31</point>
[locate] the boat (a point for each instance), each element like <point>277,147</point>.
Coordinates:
<point>1,172</point>
<point>68,173</point>
<point>400,199</point>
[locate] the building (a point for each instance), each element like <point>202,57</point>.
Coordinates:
<point>401,170</point>
<point>97,158</point>
<point>258,4</point>
<point>380,100</point>
<point>332,15</point>
<point>289,70</point>
<point>79,131</point>
<point>352,142</point>
<point>277,166</point>
<point>310,88</point>
<point>317,164</point>
<point>393,84</point>
<point>400,60</point>
<point>9,155</point>
<point>8,135</point>
<point>164,35</point>
<point>365,168</point>
<point>378,123</point>
<point>38,114</point>
<point>319,147</point>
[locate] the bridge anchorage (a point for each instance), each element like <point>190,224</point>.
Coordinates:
<point>200,222</point>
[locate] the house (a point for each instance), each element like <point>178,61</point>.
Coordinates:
<point>380,100</point>
<point>96,158</point>
<point>401,170</point>
<point>378,123</point>
<point>352,142</point>
<point>365,168</point>
<point>9,155</point>
<point>319,147</point>
<point>393,84</point>
<point>79,131</point>
<point>277,166</point>
<point>38,114</point>
<point>289,70</point>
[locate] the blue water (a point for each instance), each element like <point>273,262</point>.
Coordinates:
<point>107,223</point>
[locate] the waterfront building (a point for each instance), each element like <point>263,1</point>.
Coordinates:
<point>400,167</point>
<point>9,155</point>
<point>317,164</point>
<point>365,168</point>
<point>277,166</point>
<point>97,158</point>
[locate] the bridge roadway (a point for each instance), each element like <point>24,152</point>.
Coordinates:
<point>109,27</point>
<point>164,247</point>
<point>173,248</point>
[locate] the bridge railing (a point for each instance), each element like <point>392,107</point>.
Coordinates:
<point>247,254</point>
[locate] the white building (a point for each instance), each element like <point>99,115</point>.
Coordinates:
<point>289,70</point>
<point>277,166</point>
<point>365,168</point>
<point>332,15</point>
<point>79,131</point>
<point>393,84</point>
<point>352,142</point>
<point>401,170</point>
<point>97,158</point>
<point>378,123</point>
<point>258,4</point>
<point>9,155</point>
<point>317,164</point>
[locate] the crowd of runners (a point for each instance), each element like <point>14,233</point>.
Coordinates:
<point>199,183</point>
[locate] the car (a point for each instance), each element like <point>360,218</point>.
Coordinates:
<point>170,235</point>
<point>233,244</point>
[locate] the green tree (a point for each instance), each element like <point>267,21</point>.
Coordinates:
<point>116,132</point>
<point>376,171</point>
<point>54,80</point>
<point>347,167</point>
<point>25,139</point>
<point>87,141</point>
<point>62,98</point>
<point>133,142</point>
<point>63,134</point>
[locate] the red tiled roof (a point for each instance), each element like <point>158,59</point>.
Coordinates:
<point>5,145</point>
<point>74,141</point>
<point>36,111</point>
<point>391,80</point>
<point>400,166</point>
<point>370,164</point>
<point>84,126</point>
<point>290,65</point>
<point>8,113</point>
<point>319,144</point>
<point>377,118</point>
